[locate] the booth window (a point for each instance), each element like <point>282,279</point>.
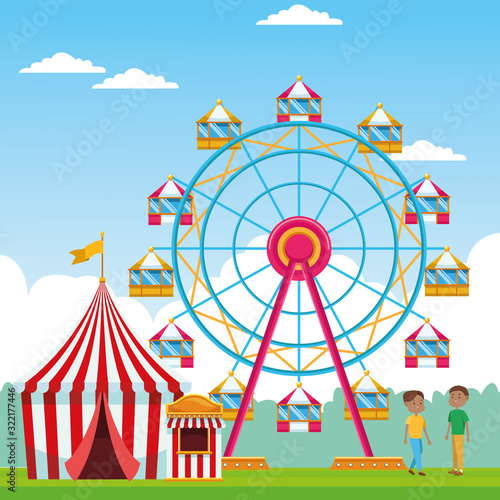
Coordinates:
<point>193,441</point>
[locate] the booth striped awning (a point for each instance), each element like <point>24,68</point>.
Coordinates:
<point>196,423</point>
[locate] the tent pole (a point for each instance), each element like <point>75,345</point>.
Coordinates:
<point>102,255</point>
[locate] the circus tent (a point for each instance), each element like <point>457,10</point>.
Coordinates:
<point>101,386</point>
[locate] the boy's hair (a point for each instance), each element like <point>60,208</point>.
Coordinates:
<point>459,388</point>
<point>411,395</point>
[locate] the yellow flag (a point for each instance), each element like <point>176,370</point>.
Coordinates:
<point>84,254</point>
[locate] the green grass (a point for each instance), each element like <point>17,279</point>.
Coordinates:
<point>306,484</point>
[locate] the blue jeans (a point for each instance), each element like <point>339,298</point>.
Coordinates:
<point>416,446</point>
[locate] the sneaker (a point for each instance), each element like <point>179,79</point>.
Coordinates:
<point>459,473</point>
<point>454,471</point>
<point>411,472</point>
<point>423,473</point>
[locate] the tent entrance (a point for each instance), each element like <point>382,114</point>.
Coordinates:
<point>102,461</point>
<point>102,454</point>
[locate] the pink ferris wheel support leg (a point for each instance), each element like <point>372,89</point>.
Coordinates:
<point>259,361</point>
<point>337,362</point>
<point>299,248</point>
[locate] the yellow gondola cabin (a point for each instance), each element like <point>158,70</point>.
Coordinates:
<point>382,130</point>
<point>217,128</point>
<point>151,277</point>
<point>230,394</point>
<point>371,399</point>
<point>447,276</point>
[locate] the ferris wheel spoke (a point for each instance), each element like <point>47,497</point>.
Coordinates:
<point>373,290</point>
<point>229,209</point>
<point>259,175</point>
<point>224,290</point>
<point>262,316</point>
<point>337,180</point>
<point>337,319</point>
<point>372,207</point>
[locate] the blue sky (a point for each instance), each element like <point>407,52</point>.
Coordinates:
<point>425,63</point>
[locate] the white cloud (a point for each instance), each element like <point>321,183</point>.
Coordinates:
<point>135,78</point>
<point>35,322</point>
<point>426,151</point>
<point>299,15</point>
<point>63,63</point>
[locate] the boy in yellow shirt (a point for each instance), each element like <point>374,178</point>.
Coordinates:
<point>414,401</point>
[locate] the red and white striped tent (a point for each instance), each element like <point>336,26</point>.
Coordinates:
<point>433,201</point>
<point>299,103</point>
<point>427,347</point>
<point>102,389</point>
<point>173,345</point>
<point>194,430</point>
<point>164,203</point>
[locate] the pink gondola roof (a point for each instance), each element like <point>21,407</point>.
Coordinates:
<point>299,90</point>
<point>428,188</point>
<point>171,332</point>
<point>299,396</point>
<point>427,332</point>
<point>167,190</point>
<point>102,354</point>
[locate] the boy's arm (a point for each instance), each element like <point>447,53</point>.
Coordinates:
<point>467,428</point>
<point>448,431</point>
<point>426,435</point>
<point>406,434</point>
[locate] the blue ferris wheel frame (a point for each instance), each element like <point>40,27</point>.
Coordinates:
<point>207,277</point>
<point>332,128</point>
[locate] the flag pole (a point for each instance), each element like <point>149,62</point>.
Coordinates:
<point>102,256</point>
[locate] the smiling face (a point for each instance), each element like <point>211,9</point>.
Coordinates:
<point>458,399</point>
<point>416,405</point>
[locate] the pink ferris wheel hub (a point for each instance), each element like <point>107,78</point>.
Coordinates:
<point>299,239</point>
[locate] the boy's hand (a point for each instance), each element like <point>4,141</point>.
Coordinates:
<point>468,439</point>
<point>446,437</point>
<point>429,441</point>
<point>405,441</point>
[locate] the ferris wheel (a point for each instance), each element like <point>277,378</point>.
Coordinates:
<point>298,247</point>
<point>300,217</point>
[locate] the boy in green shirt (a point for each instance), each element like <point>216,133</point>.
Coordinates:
<point>458,423</point>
